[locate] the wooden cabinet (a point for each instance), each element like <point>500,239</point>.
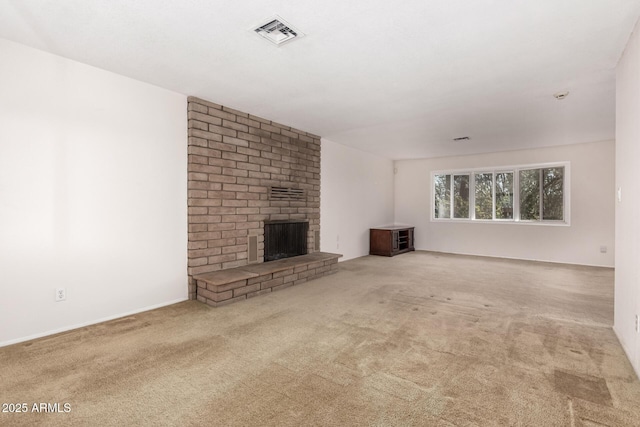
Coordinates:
<point>390,240</point>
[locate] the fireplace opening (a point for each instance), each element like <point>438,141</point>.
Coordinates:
<point>285,239</point>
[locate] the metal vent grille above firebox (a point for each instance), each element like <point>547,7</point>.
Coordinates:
<point>284,193</point>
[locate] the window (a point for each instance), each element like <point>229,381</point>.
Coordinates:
<point>451,190</point>
<point>442,191</point>
<point>529,194</point>
<point>504,195</point>
<point>461,196</point>
<point>484,195</point>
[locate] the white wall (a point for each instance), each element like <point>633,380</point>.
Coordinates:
<point>93,194</point>
<point>356,194</point>
<point>592,208</point>
<point>627,288</point>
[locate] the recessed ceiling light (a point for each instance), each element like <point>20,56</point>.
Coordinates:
<point>462,138</point>
<point>277,30</point>
<point>561,95</point>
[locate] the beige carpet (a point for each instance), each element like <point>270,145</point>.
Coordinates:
<point>418,339</point>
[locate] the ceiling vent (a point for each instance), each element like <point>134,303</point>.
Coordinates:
<point>462,138</point>
<point>561,95</point>
<point>277,31</point>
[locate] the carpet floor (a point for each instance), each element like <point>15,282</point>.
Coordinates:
<point>419,339</point>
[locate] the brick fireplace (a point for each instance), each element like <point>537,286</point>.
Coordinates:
<point>245,170</point>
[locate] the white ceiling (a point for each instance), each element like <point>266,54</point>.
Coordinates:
<point>396,78</point>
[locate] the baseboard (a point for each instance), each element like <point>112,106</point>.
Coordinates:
<point>92,322</point>
<point>515,258</point>
<point>626,352</point>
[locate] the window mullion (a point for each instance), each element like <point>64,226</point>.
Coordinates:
<point>516,194</point>
<point>472,195</point>
<point>540,207</point>
<point>493,195</point>
<point>451,198</point>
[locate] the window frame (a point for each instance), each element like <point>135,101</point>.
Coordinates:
<point>515,170</point>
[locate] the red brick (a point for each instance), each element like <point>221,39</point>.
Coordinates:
<point>300,268</point>
<point>205,185</point>
<point>233,233</point>
<point>222,114</point>
<point>235,141</point>
<point>235,156</point>
<point>220,243</point>
<point>235,126</point>
<point>196,176</point>
<point>316,264</point>
<point>246,289</point>
<point>234,249</point>
<point>249,166</point>
<point>222,258</point>
<point>269,128</point>
<point>290,278</point>
<point>225,179</point>
<point>228,286</point>
<point>269,169</point>
<point>248,181</point>
<point>225,302</point>
<point>260,292</point>
<point>197,211</point>
<point>236,112</point>
<point>221,146</point>
<point>195,159</point>
<point>205,293</point>
<point>220,296</point>
<point>195,262</point>
<point>283,273</point>
<point>235,172</point>
<point>271,283</point>
<point>235,203</point>
<point>192,106</point>
<point>222,132</point>
<point>203,269</point>
<point>204,252</point>
<point>222,226</point>
<point>197,245</point>
<point>210,136</point>
<point>204,151</point>
<point>247,225</point>
<point>204,118</point>
<point>248,122</point>
<point>195,99</point>
<point>259,279</point>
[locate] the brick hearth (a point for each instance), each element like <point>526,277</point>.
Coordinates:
<point>226,286</point>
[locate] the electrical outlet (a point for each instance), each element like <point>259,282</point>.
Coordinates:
<point>603,249</point>
<point>61,294</point>
<point>637,323</point>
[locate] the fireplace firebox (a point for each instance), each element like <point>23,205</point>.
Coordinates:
<point>285,239</point>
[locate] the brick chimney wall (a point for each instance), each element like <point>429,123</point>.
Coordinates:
<point>234,160</point>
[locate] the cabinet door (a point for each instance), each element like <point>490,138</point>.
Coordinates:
<point>394,239</point>
<point>411,238</point>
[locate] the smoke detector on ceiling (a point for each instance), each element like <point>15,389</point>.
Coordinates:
<point>277,30</point>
